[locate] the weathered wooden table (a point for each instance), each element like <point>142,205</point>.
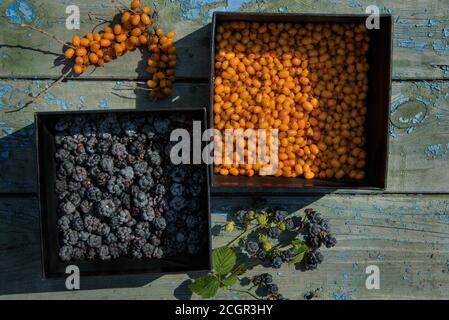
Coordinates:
<point>404,231</point>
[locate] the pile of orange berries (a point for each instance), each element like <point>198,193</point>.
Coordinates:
<point>115,40</point>
<point>309,81</point>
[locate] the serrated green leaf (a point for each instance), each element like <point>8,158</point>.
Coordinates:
<point>229,281</point>
<point>297,243</point>
<point>223,260</point>
<point>205,286</point>
<point>298,258</point>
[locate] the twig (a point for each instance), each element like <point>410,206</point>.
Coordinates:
<point>27,25</point>
<point>134,88</point>
<point>126,7</point>
<point>243,234</point>
<point>247,292</point>
<point>40,94</point>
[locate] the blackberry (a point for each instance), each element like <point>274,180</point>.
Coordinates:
<point>64,222</point>
<point>155,240</point>
<point>103,229</point>
<point>261,254</point>
<point>180,237</point>
<point>91,145</point>
<point>160,190</point>
<point>154,158</point>
<point>312,259</point>
<point>140,200</point>
<point>147,250</point>
<point>130,128</point>
<point>161,125</point>
<point>124,216</point>
<point>142,229</point>
<point>280,215</point>
<point>276,262</point>
<point>63,195</point>
<point>79,174</point>
<point>116,186</point>
<point>127,173</point>
<point>330,241</point>
<point>66,168</point>
<point>77,223</point>
<point>67,207</point>
<point>137,149</point>
<point>83,236</point>
<point>191,222</point>
<point>123,247</point>
<point>74,198</point>
<point>148,214</point>
<point>262,279</point>
<point>91,223</point>
<point>240,216</point>
<point>94,241</point>
<point>73,186</point>
<point>286,255</point>
<point>274,232</point>
<point>118,150</point>
<point>103,146</point>
<point>81,159</point>
<point>124,234</point>
<point>103,252</point>
<point>85,207</point>
<point>252,247</point>
<point>78,254</point>
<point>289,224</point>
<point>70,237</point>
<point>65,253</point>
<point>91,253</point>
<point>194,190</point>
<point>94,194</point>
<point>106,208</point>
<point>158,253</point>
<point>62,155</point>
<point>114,250</point>
<point>272,288</point>
<point>63,124</point>
<point>160,223</point>
<point>107,164</point>
<point>157,173</point>
<point>141,168</point>
<point>110,238</point>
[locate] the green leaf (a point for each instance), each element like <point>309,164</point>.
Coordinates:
<point>298,258</point>
<point>299,251</point>
<point>229,281</point>
<point>205,286</point>
<point>223,260</point>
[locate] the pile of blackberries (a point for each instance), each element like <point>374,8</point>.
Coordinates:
<point>118,192</point>
<point>265,285</point>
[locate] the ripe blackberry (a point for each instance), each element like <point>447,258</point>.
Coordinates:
<point>137,149</point>
<point>155,240</point>
<point>191,222</point>
<point>91,253</point>
<point>103,229</point>
<point>129,128</point>
<point>60,186</point>
<point>91,223</point>
<point>91,145</point>
<point>103,146</point>
<point>330,241</point>
<point>240,216</point>
<point>142,230</point>
<point>64,222</point>
<point>65,169</point>
<point>147,250</point>
<point>79,174</point>
<point>252,247</point>
<point>154,158</point>
<point>85,207</point>
<point>62,155</point>
<point>124,216</point>
<point>140,200</point>
<point>178,174</point>
<point>280,215</point>
<point>77,223</point>
<point>114,250</point>
<point>161,125</point>
<point>272,288</point>
<point>74,198</point>
<point>289,224</point>
<point>160,190</point>
<point>274,232</point>
<point>110,238</point>
<point>148,214</point>
<point>286,255</point>
<point>106,208</point>
<point>103,252</point>
<point>118,150</point>
<point>107,164</point>
<point>83,236</point>
<point>94,194</point>
<point>276,262</point>
<point>65,253</point>
<point>70,237</point>
<point>94,241</point>
<point>312,259</point>
<point>160,223</point>
<point>262,279</point>
<point>78,254</point>
<point>158,253</point>
<point>116,186</point>
<point>157,173</point>
<point>67,208</point>
<point>127,173</point>
<point>124,234</point>
<point>141,168</point>
<point>261,255</point>
<point>178,203</point>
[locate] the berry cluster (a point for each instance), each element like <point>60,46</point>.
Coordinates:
<point>265,285</point>
<point>316,232</point>
<point>267,244</point>
<point>130,32</point>
<point>118,193</point>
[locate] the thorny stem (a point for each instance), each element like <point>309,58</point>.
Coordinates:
<point>40,94</point>
<point>247,292</point>
<point>27,25</point>
<point>243,234</point>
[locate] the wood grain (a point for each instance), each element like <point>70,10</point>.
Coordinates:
<point>407,237</point>
<point>420,36</point>
<point>419,132</point>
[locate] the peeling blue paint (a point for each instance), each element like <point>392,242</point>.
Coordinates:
<point>440,46</point>
<point>445,33</point>
<point>19,11</point>
<point>4,89</point>
<point>423,100</point>
<point>64,105</point>
<point>413,44</point>
<point>191,9</point>
<point>341,296</point>
<point>103,103</point>
<point>433,151</point>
